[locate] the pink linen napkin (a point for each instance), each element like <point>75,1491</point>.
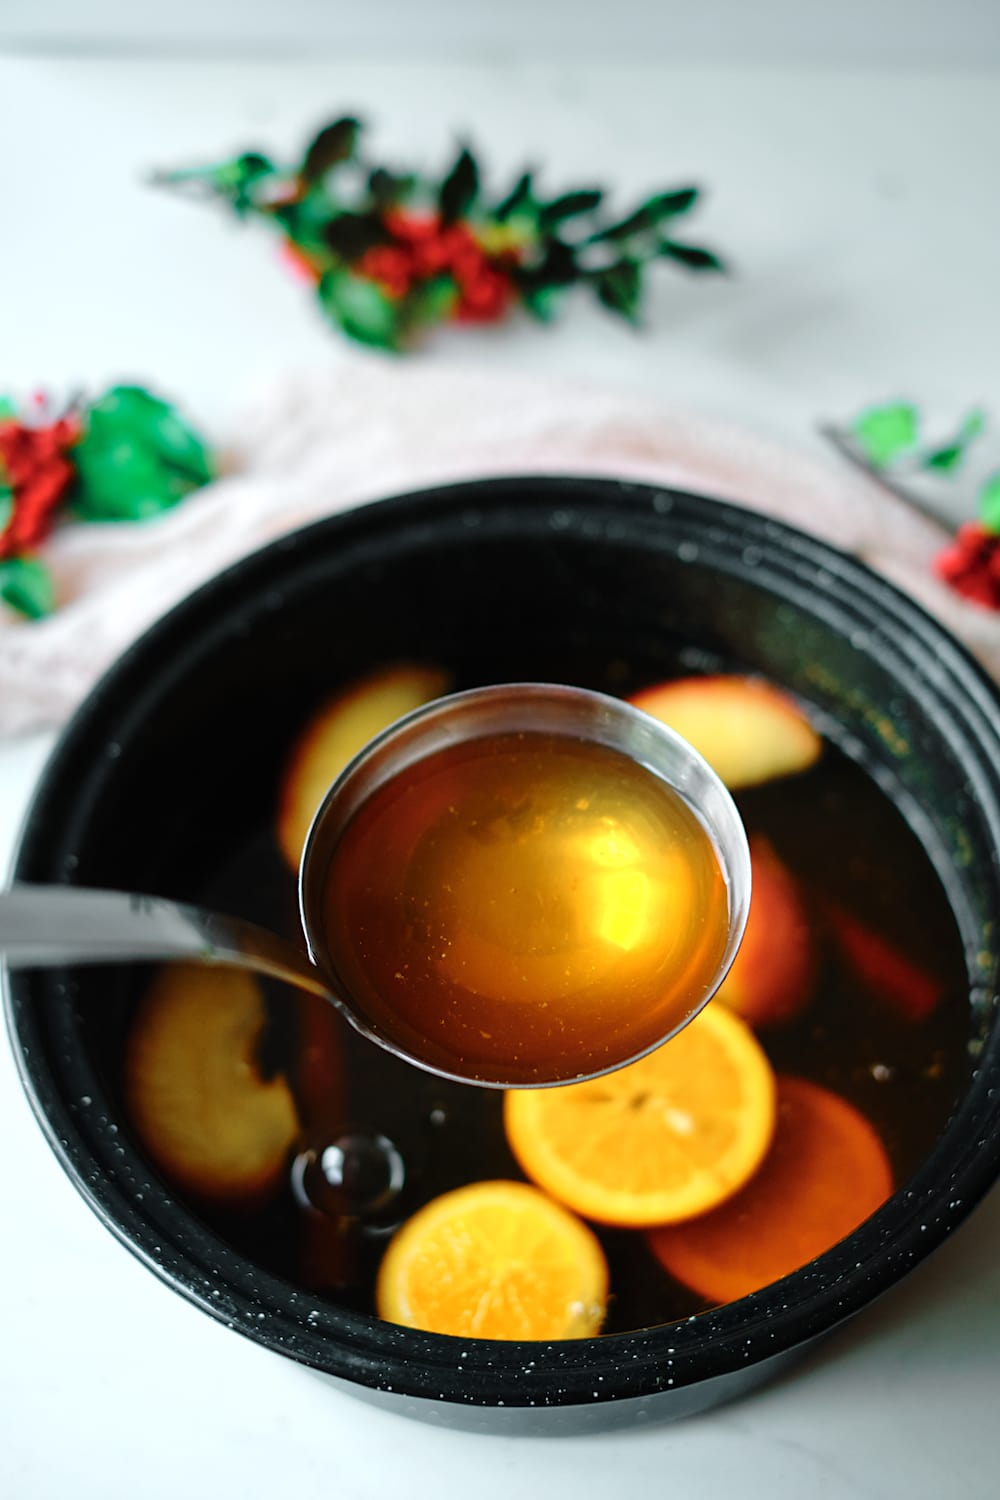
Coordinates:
<point>317,444</point>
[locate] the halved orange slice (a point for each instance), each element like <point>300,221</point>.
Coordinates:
<point>494,1260</point>
<point>667,1137</point>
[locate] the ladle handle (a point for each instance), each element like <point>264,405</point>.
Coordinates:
<point>44,925</point>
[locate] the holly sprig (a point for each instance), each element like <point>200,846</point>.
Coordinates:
<point>888,441</point>
<point>125,456</point>
<point>392,253</point>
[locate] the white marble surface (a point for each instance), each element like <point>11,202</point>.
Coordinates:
<point>858,207</point>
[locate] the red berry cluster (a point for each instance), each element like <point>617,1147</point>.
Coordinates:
<point>424,247</point>
<point>34,464</point>
<point>971,564</point>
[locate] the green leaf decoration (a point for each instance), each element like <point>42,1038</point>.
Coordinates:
<point>569,206</point>
<point>651,214</point>
<point>520,198</point>
<point>334,144</point>
<point>883,433</point>
<point>349,235</point>
<point>950,456</point>
<point>6,504</point>
<point>305,220</point>
<point>989,502</point>
<point>388,189</point>
<point>237,181</point>
<point>136,458</point>
<point>557,268</point>
<point>26,586</point>
<point>8,409</point>
<point>692,257</point>
<point>543,303</point>
<point>430,302</point>
<point>240,179</point>
<point>360,308</point>
<point>460,188</point>
<point>332,219</point>
<point>620,289</point>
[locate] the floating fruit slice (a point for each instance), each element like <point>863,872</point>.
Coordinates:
<point>825,1173</point>
<point>335,735</point>
<point>747,730</point>
<point>886,973</point>
<point>495,1260</point>
<point>193,1089</point>
<point>773,973</point>
<point>666,1137</point>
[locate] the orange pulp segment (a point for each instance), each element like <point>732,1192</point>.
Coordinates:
<point>826,1171</point>
<point>494,1260</point>
<point>664,1138</point>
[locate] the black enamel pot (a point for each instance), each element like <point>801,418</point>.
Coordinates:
<point>603,584</point>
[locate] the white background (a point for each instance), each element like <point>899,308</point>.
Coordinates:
<point>851,153</point>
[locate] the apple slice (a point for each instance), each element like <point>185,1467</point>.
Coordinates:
<point>335,734</point>
<point>747,730</point>
<point>193,1090</point>
<point>774,971</point>
<point>883,970</point>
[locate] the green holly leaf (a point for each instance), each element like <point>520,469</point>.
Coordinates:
<point>430,302</point>
<point>390,188</point>
<point>620,288</point>
<point>989,502</point>
<point>136,458</point>
<point>569,206</point>
<point>8,408</point>
<point>26,586</point>
<point>305,220</point>
<point>6,505</point>
<point>544,302</point>
<point>239,180</point>
<point>349,235</point>
<point>460,188</point>
<point>692,257</point>
<point>520,198</point>
<point>951,455</point>
<point>556,268</point>
<point>334,144</point>
<point>360,308</point>
<point>651,214</point>
<point>884,432</point>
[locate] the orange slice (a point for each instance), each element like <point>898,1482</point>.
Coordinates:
<point>335,734</point>
<point>495,1260</point>
<point>193,1090</point>
<point>666,1137</point>
<point>826,1171</point>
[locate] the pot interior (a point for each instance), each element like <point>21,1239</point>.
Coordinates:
<point>167,782</point>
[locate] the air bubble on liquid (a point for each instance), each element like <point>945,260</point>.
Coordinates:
<point>687,551</point>
<point>113,750</point>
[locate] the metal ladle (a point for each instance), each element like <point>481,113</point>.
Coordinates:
<point>43,926</point>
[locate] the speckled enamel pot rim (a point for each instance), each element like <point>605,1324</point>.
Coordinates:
<point>845,602</point>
